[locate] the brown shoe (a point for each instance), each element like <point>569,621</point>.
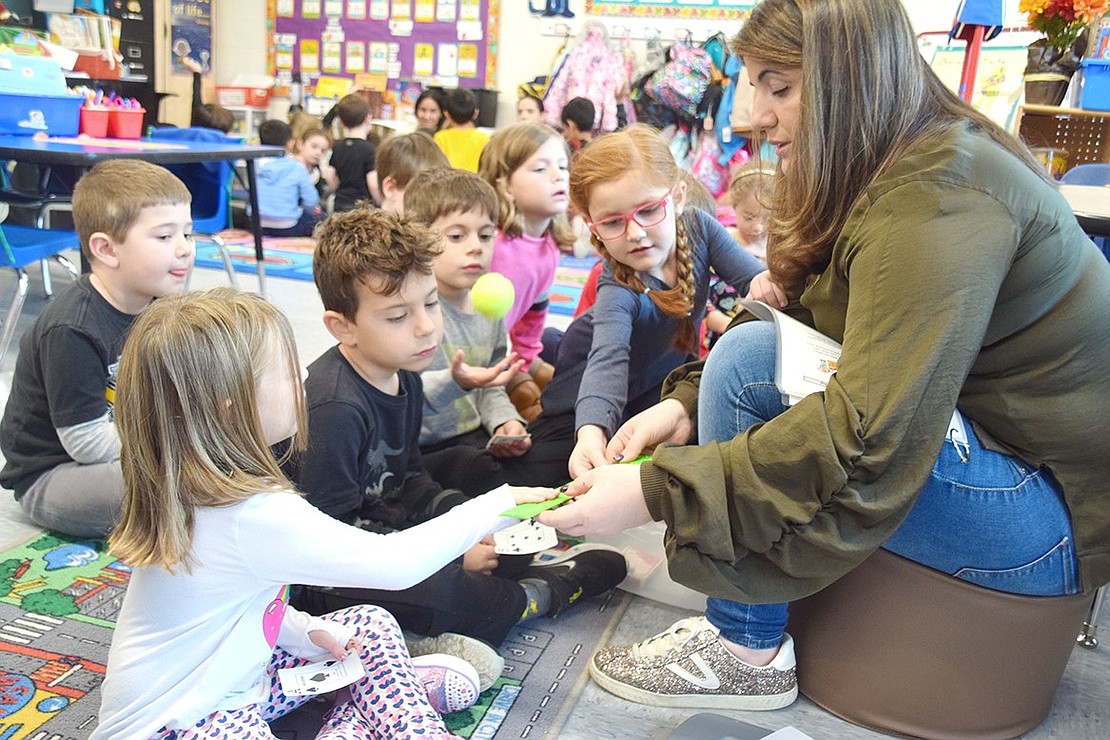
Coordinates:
<point>525,395</point>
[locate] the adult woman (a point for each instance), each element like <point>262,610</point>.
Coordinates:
<point>429,111</point>
<point>924,239</point>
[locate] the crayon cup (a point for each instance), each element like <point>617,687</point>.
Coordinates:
<point>125,123</point>
<point>94,121</point>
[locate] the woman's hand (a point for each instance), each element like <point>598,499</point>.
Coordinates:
<point>589,450</point>
<point>763,288</point>
<point>516,448</point>
<point>608,500</point>
<point>665,422</point>
<point>482,558</point>
<point>469,377</point>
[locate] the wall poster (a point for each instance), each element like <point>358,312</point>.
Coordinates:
<point>449,43</point>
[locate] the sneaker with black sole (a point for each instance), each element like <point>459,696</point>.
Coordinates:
<point>486,660</point>
<point>689,667</point>
<point>450,683</point>
<point>588,572</point>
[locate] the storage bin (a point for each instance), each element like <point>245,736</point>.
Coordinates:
<point>642,548</point>
<point>125,123</point>
<point>1095,94</point>
<point>94,121</point>
<point>26,115</point>
<point>243,97</point>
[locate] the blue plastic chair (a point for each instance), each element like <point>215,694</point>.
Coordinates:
<point>1092,174</point>
<point>21,246</point>
<point>210,185</point>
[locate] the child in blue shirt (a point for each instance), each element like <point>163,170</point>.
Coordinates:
<point>288,202</point>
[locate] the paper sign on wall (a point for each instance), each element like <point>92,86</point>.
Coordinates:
<point>310,8</point>
<point>379,10</point>
<point>333,8</point>
<point>448,64</point>
<point>470,10</point>
<point>356,10</point>
<point>356,57</point>
<point>402,10</point>
<point>284,8</point>
<point>423,60</point>
<point>425,11</point>
<point>310,55</point>
<point>378,55</point>
<point>400,28</point>
<point>283,52</point>
<point>333,57</point>
<point>468,60</point>
<point>446,11</point>
<point>469,30</point>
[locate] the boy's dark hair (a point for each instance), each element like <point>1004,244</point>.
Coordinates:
<point>112,195</point>
<point>402,156</point>
<point>275,132</point>
<point>210,115</point>
<point>460,105</point>
<point>352,110</point>
<point>364,245</point>
<point>581,112</point>
<point>433,194</point>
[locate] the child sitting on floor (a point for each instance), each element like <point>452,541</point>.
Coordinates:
<point>365,403</point>
<point>288,203</point>
<point>214,532</point>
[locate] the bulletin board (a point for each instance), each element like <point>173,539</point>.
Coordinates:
<point>710,10</point>
<point>448,43</point>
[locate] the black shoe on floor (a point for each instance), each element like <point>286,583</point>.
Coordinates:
<point>583,572</point>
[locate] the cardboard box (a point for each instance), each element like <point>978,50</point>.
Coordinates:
<point>243,97</point>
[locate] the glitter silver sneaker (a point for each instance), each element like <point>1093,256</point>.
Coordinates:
<point>688,666</point>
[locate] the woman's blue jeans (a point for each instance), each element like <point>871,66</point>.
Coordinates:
<point>981,516</point>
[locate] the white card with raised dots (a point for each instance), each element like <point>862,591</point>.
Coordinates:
<point>525,538</point>
<point>320,678</point>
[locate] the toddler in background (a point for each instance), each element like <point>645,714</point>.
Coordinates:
<point>214,531</point>
<point>527,164</point>
<point>400,158</point>
<point>310,148</point>
<point>288,203</point>
<point>750,191</point>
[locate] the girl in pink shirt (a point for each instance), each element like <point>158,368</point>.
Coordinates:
<point>527,165</point>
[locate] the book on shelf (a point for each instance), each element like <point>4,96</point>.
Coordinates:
<point>805,358</point>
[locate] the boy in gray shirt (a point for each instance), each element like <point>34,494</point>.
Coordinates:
<point>472,437</point>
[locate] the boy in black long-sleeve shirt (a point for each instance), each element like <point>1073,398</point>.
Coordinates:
<point>364,397</point>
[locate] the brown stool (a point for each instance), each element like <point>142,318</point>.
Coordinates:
<point>902,648</point>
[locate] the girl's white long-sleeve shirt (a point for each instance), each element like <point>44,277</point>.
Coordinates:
<point>189,644</point>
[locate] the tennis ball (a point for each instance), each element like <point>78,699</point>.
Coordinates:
<point>493,295</point>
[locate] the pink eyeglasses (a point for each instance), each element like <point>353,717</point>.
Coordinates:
<point>647,215</point>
